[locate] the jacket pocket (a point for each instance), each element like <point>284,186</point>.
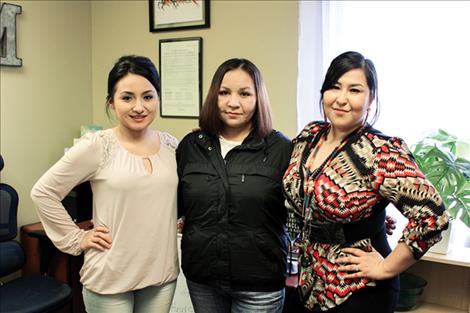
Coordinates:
<point>200,190</point>
<point>243,171</point>
<point>256,196</point>
<point>198,254</point>
<point>257,257</point>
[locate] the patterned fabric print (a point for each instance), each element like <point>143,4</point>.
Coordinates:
<point>322,283</point>
<point>398,179</point>
<point>369,169</point>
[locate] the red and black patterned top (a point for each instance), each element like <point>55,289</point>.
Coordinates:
<point>366,170</point>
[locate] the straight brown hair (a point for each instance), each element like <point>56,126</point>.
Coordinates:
<point>209,119</point>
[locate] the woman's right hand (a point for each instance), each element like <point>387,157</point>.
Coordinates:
<point>98,238</point>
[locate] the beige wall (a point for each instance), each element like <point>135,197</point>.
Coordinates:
<point>44,102</point>
<point>68,48</point>
<point>263,31</point>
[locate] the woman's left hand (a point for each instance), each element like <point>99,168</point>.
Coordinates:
<point>180,225</point>
<point>361,264</point>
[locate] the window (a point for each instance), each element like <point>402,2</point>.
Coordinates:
<point>420,49</point>
<point>421,52</point>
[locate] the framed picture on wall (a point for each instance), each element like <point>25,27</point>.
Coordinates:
<point>180,77</point>
<point>168,15</point>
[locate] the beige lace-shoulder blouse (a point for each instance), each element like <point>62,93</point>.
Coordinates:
<point>137,206</point>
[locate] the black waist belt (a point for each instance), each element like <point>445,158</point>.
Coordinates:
<point>342,233</point>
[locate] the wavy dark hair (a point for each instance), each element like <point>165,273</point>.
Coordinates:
<point>209,119</point>
<point>134,64</point>
<point>344,63</point>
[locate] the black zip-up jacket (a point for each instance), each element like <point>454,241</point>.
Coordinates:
<point>235,214</point>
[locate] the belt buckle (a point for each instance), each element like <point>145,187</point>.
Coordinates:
<point>328,233</point>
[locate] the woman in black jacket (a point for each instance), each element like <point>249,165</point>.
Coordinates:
<point>234,246</point>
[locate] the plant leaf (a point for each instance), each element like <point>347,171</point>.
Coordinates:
<point>436,156</point>
<point>465,218</point>
<point>464,166</point>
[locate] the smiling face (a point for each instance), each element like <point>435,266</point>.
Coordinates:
<point>237,103</point>
<point>347,102</point>
<point>135,102</point>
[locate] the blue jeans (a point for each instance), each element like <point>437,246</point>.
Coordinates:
<point>147,300</point>
<point>223,299</point>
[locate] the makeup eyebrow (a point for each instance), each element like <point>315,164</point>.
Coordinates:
<point>352,85</point>
<point>247,88</point>
<point>131,93</point>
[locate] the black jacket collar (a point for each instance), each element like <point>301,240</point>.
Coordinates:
<point>251,142</point>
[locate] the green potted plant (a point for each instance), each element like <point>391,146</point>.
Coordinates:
<point>444,159</point>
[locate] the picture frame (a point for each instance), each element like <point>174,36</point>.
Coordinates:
<point>169,15</point>
<point>180,62</point>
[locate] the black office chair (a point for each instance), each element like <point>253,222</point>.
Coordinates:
<point>33,294</point>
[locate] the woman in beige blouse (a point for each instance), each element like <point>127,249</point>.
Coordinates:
<point>131,262</point>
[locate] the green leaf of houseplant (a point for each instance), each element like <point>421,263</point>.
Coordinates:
<point>436,156</point>
<point>464,166</point>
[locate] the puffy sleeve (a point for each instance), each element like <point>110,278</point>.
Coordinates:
<point>397,178</point>
<point>169,140</point>
<point>79,164</point>
<point>311,129</point>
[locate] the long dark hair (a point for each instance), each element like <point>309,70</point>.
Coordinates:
<point>209,119</point>
<point>344,63</point>
<point>134,64</point>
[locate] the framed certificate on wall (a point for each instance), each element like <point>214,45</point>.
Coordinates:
<point>181,76</point>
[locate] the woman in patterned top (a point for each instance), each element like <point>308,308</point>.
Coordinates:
<point>131,260</point>
<point>342,175</point>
